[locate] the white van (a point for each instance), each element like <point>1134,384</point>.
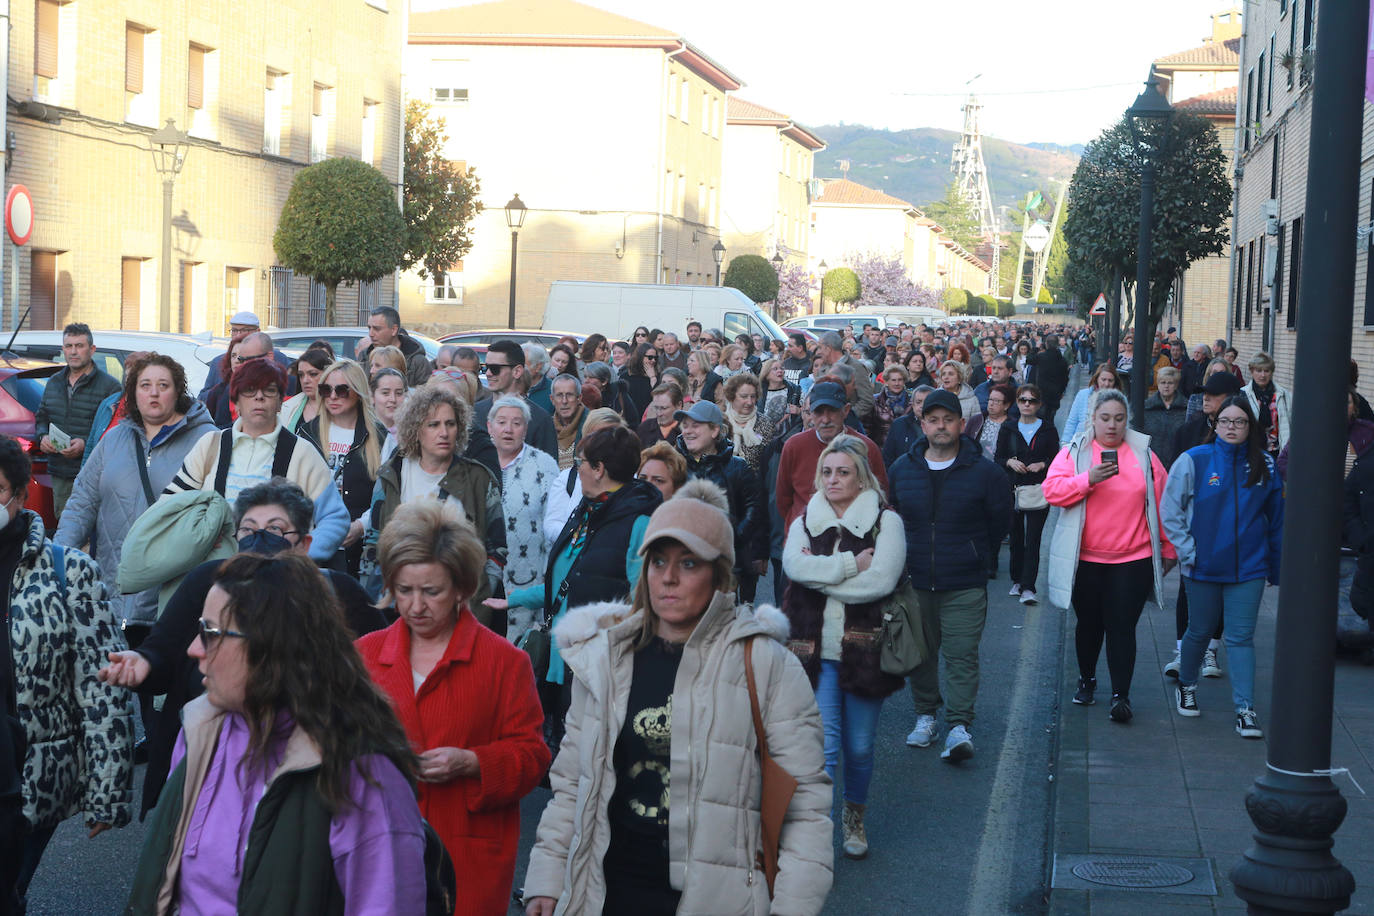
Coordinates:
<point>880,317</point>
<point>616,309</point>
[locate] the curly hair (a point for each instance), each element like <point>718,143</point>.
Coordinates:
<point>735,382</point>
<point>135,369</point>
<point>961,369</point>
<point>416,410</point>
<point>301,659</point>
<point>590,346</point>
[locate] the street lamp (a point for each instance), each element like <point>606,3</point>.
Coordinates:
<point>778,261</point>
<point>1150,117</point>
<point>822,267</point>
<point>169,147</point>
<point>515,218</point>
<point>718,252</point>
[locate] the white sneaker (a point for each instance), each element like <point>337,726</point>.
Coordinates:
<point>924,732</point>
<point>958,745</point>
<point>1172,669</point>
<point>1210,668</point>
<point>1015,590</point>
<point>1028,596</point>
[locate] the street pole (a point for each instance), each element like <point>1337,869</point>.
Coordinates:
<point>514,238</point>
<point>1140,369</point>
<point>164,312</point>
<point>1294,804</point>
<point>1114,319</point>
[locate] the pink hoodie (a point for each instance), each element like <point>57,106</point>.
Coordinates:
<point>1114,527</point>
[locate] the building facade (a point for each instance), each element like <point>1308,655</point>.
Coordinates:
<point>611,132</point>
<point>89,82</point>
<point>1203,81</point>
<point>760,215</point>
<point>1271,183</point>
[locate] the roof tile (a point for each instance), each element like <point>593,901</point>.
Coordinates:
<point>844,191</point>
<point>1221,53</point>
<point>1222,102</point>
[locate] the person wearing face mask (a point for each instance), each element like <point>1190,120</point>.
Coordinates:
<point>270,519</point>
<point>57,629</point>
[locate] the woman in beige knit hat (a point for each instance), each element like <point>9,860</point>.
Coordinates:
<point>659,700</point>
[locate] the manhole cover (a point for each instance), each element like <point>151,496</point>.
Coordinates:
<point>1121,872</point>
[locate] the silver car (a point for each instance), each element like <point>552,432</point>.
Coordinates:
<point>195,352</point>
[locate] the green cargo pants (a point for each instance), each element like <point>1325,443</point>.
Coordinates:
<point>953,623</point>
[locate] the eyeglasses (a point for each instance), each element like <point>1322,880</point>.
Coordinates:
<point>1233,423</point>
<point>271,391</point>
<point>1028,400</point>
<point>495,368</point>
<point>240,358</point>
<point>210,636</point>
<point>652,357</point>
<point>278,530</point>
<point>334,391</point>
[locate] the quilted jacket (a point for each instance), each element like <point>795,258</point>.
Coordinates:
<point>108,496</point>
<point>80,731</point>
<point>713,822</point>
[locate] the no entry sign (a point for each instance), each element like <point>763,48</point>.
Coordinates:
<point>19,214</point>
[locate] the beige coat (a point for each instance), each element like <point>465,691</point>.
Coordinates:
<point>713,825</point>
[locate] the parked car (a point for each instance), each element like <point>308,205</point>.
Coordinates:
<point>346,341</point>
<point>884,318</point>
<point>521,336</point>
<point>195,352</point>
<point>22,380</point>
<point>618,308</point>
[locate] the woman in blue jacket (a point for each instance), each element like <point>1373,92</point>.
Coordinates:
<point>1223,511</point>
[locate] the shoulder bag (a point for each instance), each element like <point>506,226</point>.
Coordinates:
<point>778,785</point>
<point>1030,497</point>
<point>903,644</point>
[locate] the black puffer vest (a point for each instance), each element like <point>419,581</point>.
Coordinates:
<point>860,671</point>
<point>598,571</point>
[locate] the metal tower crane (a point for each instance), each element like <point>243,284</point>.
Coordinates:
<point>971,178</point>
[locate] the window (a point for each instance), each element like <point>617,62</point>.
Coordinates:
<point>1240,287</point>
<point>142,65</point>
<point>1245,109</point>
<point>279,295</point>
<point>706,119</point>
<point>1276,297</point>
<point>54,52</point>
<point>1249,283</point>
<point>276,92</point>
<point>1294,265</point>
<point>1293,46</point>
<point>702,215</point>
<point>685,102</point>
<point>369,144</point>
<point>369,297</point>
<point>449,82</point>
<point>43,290</point>
<point>321,114</point>
<point>318,302</point>
<point>446,286</point>
<point>1259,93</point>
<point>1309,15</point>
<point>1269,86</point>
<point>202,90</point>
<point>195,77</point>
<point>681,195</point>
<point>713,215</point>
<point>133,58</point>
<point>130,293</point>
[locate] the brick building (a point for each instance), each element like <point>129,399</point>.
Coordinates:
<point>1275,108</point>
<point>263,89</point>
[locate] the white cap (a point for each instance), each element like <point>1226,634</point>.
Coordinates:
<point>245,317</point>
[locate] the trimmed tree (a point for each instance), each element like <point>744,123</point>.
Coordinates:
<point>753,275</point>
<point>841,286</point>
<point>440,200</point>
<point>1191,205</point>
<point>956,301</point>
<point>340,224</point>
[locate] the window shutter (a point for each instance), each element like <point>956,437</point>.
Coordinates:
<point>129,294</point>
<point>45,39</point>
<point>195,78</point>
<point>317,101</point>
<point>133,59</point>
<point>43,290</point>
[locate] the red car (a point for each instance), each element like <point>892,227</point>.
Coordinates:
<point>22,381</point>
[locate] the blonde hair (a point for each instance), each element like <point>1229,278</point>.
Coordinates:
<point>357,380</point>
<point>416,410</point>
<point>433,531</point>
<point>722,579</point>
<point>857,450</point>
<point>391,357</point>
<point>961,369</point>
<point>599,417</point>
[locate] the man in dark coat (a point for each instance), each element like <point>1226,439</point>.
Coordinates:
<point>1052,375</point>
<point>70,400</point>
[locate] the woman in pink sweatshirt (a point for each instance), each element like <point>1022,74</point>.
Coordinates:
<point>1109,548</point>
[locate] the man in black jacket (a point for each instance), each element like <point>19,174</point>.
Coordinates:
<point>956,507</point>
<point>1051,373</point>
<point>506,375</point>
<point>70,400</point>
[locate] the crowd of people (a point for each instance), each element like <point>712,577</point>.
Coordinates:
<point>351,612</point>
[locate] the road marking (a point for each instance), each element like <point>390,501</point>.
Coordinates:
<point>992,874</point>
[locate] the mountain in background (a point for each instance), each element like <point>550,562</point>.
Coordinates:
<point>914,164</point>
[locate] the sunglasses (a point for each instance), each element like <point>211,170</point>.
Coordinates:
<point>652,357</point>
<point>210,636</point>
<point>334,391</point>
<point>1028,400</point>
<point>495,368</point>
<point>248,359</point>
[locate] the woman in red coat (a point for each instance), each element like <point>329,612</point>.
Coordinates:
<point>465,696</point>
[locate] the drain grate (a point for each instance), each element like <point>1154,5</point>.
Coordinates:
<point>1125,871</point>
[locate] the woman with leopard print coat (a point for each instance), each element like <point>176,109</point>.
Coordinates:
<point>58,632</point>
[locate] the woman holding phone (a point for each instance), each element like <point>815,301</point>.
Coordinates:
<point>1109,549</point>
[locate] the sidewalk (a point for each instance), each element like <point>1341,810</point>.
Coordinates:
<point>1166,786</point>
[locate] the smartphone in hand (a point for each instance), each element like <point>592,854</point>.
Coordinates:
<point>1109,456</point>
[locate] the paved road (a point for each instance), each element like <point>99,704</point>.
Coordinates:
<point>949,839</point>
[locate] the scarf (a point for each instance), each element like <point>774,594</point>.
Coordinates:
<point>745,434</point>
<point>567,436</point>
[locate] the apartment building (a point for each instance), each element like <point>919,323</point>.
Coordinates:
<point>1275,111</point>
<point>262,89</point>
<point>769,172</point>
<point>610,130</point>
<point>850,219</point>
<point>1203,81</point>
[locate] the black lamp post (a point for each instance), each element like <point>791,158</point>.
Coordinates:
<point>169,147</point>
<point>778,261</point>
<point>718,252</point>
<point>822,267</point>
<point>515,218</point>
<point>1294,804</point>
<point>1150,117</point>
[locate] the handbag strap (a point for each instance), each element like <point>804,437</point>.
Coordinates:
<point>754,698</point>
<point>143,470</point>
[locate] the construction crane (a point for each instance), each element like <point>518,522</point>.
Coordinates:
<point>971,180</point>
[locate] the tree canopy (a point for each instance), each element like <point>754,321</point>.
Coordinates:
<point>956,215</point>
<point>841,286</point>
<point>753,275</point>
<point>1192,201</point>
<point>440,199</point>
<point>340,224</point>
<point>883,281</point>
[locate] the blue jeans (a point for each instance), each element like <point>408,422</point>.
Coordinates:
<point>1206,602</point>
<point>851,721</point>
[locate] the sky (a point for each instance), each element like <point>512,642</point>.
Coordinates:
<point>1057,71</point>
